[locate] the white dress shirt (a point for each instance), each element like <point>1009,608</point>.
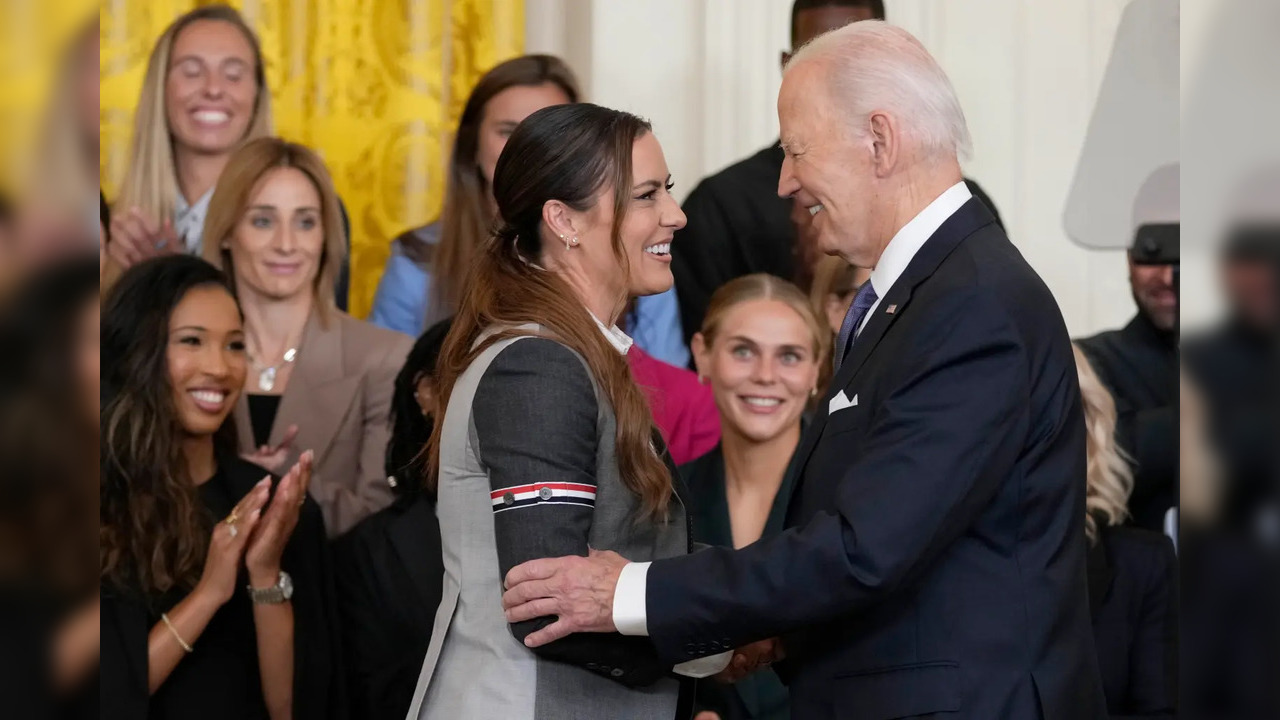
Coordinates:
<point>902,249</point>
<point>620,341</point>
<point>629,614</point>
<point>188,221</point>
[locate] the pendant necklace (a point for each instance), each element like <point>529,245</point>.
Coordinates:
<point>267,376</point>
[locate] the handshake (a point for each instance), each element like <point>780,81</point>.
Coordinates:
<point>750,658</point>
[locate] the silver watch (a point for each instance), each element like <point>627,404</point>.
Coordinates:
<point>274,595</point>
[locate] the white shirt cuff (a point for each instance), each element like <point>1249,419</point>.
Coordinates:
<point>629,618</point>
<point>628,600</point>
<point>704,667</point>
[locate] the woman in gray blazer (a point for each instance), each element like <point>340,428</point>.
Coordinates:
<point>547,446</point>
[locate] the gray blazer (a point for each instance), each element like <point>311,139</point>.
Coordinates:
<point>528,469</point>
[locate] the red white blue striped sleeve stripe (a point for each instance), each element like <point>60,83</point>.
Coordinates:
<point>550,493</point>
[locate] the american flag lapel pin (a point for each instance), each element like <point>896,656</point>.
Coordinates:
<point>891,309</point>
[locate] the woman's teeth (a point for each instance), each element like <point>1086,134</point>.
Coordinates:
<point>209,398</point>
<point>815,209</point>
<point>211,117</point>
<point>661,249</point>
<point>762,402</point>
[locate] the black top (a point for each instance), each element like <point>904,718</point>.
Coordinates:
<point>1139,365</point>
<point>737,225</point>
<point>1133,598</point>
<point>262,415</point>
<point>761,695</point>
<point>1234,368</point>
<point>220,679</point>
<point>389,576</point>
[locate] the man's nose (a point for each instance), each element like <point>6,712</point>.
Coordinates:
<point>787,183</point>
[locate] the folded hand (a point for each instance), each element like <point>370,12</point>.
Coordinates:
<point>749,658</point>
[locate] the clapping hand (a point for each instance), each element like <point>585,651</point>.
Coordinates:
<point>227,546</point>
<point>136,237</point>
<point>262,558</point>
<point>749,658</point>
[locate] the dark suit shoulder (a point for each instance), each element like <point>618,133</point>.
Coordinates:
<point>989,266</point>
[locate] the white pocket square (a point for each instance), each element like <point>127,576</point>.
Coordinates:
<point>840,402</point>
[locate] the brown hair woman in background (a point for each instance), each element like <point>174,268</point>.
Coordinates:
<point>321,379</point>
<point>422,282</point>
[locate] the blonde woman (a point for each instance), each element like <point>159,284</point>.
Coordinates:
<point>762,349</point>
<point>204,94</point>
<point>318,379</point>
<point>1133,588</point>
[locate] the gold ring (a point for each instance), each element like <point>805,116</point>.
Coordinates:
<point>233,518</point>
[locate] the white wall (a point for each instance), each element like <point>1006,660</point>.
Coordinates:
<point>1027,71</point>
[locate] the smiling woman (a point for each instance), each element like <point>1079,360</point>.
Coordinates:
<point>205,93</point>
<point>319,379</point>
<point>545,442</point>
<point>761,347</point>
<point>184,521</point>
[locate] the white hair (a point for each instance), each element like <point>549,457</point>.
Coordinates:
<point>875,66</point>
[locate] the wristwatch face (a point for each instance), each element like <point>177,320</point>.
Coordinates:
<point>286,585</point>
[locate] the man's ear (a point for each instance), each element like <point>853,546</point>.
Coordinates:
<point>885,142</point>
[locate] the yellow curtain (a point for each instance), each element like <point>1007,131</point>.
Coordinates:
<point>375,86</point>
<point>34,37</point>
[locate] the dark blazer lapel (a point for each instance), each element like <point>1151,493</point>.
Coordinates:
<point>318,393</point>
<point>971,216</point>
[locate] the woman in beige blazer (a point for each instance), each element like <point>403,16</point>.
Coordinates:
<point>318,379</point>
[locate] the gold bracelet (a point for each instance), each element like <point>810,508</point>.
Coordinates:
<point>176,636</point>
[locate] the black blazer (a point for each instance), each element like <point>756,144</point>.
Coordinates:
<point>1133,598</point>
<point>389,575</point>
<point>934,560</point>
<point>759,696</point>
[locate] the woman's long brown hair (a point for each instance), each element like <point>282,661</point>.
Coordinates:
<point>154,530</point>
<point>567,153</point>
<point>466,219</point>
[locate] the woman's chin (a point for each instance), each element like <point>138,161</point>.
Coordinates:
<point>653,285</point>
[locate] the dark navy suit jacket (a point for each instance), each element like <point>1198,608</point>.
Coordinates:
<point>934,561</point>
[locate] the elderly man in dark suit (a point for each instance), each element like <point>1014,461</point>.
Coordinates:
<point>934,562</point>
